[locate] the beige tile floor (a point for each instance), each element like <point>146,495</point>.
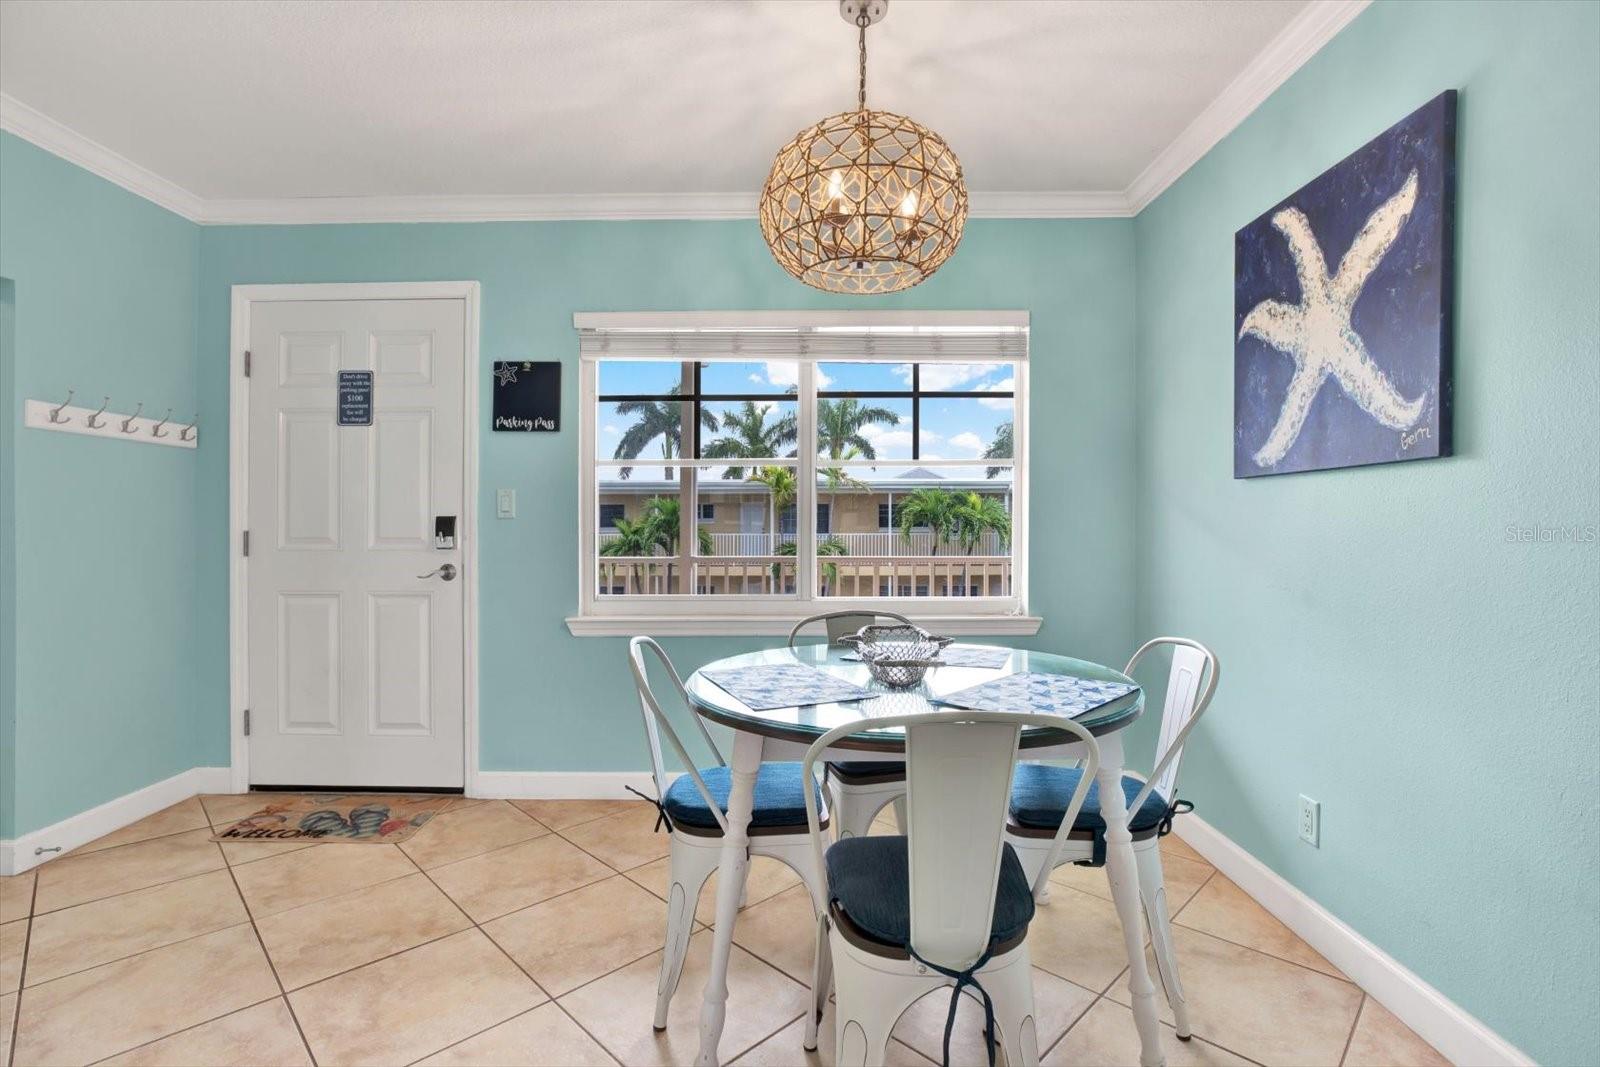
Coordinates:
<point>529,932</point>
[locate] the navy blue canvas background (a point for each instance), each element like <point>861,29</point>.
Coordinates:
<point>1403,313</point>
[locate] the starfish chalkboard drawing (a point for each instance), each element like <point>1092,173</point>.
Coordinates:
<point>1317,332</point>
<point>505,373</point>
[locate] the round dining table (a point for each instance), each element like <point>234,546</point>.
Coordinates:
<point>785,733</point>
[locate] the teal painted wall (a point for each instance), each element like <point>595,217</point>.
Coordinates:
<point>10,419</point>
<point>105,290</point>
<point>552,702</point>
<point>1385,648</point>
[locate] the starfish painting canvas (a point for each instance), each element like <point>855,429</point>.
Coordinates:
<point>1342,296</point>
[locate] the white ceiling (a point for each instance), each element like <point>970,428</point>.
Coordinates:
<point>273,99</point>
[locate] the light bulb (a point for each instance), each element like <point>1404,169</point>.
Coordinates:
<point>908,206</point>
<point>835,186</point>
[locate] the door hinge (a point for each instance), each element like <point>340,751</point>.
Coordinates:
<point>247,542</point>
<point>247,363</point>
<point>247,722</point>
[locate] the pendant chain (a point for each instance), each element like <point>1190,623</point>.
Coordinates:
<point>862,22</point>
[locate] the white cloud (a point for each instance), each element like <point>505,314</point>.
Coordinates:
<point>938,377</point>
<point>608,428</point>
<point>1004,385</point>
<point>969,442</point>
<point>884,440</point>
<point>786,375</point>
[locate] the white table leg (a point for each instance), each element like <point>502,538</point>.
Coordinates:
<point>1121,869</point>
<point>730,886</point>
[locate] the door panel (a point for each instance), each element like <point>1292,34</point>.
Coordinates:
<point>356,660</point>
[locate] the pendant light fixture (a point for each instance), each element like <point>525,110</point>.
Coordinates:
<point>864,201</point>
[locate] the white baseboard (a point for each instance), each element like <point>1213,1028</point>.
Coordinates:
<point>1445,1025</point>
<point>20,855</point>
<point>563,785</point>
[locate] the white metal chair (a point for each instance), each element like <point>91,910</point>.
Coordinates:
<point>945,905</point>
<point>859,789</point>
<point>695,808</point>
<point>1039,802</point>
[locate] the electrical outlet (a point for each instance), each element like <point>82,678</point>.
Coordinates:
<point>505,503</point>
<point>1310,821</point>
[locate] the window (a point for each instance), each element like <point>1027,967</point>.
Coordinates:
<point>706,446</point>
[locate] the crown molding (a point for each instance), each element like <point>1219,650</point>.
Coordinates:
<point>40,129</point>
<point>1286,53</point>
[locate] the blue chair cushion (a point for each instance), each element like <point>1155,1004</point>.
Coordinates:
<point>1040,794</point>
<point>870,879</point>
<point>779,799</point>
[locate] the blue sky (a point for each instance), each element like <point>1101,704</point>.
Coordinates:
<point>952,428</point>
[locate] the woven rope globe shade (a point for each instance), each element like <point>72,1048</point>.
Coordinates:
<point>864,202</point>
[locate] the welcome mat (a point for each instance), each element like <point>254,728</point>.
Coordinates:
<point>380,817</point>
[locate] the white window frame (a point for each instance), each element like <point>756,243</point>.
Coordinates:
<point>695,614</point>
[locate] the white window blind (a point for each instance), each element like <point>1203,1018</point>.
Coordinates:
<point>918,343</point>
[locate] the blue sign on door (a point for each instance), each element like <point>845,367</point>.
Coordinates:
<point>355,398</point>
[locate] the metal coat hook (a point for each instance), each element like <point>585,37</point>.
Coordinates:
<point>55,413</point>
<point>187,433</point>
<point>91,420</point>
<point>128,422</point>
<point>156,430</point>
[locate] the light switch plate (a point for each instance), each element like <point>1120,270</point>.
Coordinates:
<point>505,503</point>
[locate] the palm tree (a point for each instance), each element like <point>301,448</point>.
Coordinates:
<point>828,546</point>
<point>933,508</point>
<point>751,436</point>
<point>657,418</point>
<point>838,477</point>
<point>839,426</point>
<point>781,491</point>
<point>999,448</point>
<point>635,537</point>
<point>661,519</point>
<point>976,515</point>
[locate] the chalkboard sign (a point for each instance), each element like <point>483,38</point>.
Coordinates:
<point>355,398</point>
<point>527,396</point>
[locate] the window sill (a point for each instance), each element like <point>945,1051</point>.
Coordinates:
<point>699,625</point>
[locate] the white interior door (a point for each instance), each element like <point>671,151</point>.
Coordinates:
<point>356,643</point>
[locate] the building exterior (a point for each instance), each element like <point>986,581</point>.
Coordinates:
<point>744,548</point>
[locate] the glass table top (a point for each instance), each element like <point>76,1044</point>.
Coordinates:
<point>809,722</point>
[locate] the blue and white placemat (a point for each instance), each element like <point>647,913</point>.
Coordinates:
<point>974,656</point>
<point>1045,694</point>
<point>784,685</point>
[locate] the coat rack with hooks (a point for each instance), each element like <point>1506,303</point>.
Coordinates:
<point>98,422</point>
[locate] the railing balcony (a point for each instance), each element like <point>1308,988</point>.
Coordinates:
<point>876,543</point>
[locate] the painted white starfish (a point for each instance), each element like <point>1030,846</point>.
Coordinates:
<point>1317,331</point>
<point>505,374</point>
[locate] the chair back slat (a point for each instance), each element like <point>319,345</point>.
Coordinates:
<point>844,623</point>
<point>656,724</point>
<point>959,765</point>
<point>1183,696</point>
<point>1191,681</point>
<point>958,781</point>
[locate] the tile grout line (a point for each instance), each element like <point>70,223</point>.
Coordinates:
<point>548,999</point>
<point>1351,1036</point>
<point>273,967</point>
<point>22,974</point>
<point>186,1029</point>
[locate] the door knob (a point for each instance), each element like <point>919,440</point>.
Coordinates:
<point>447,572</point>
